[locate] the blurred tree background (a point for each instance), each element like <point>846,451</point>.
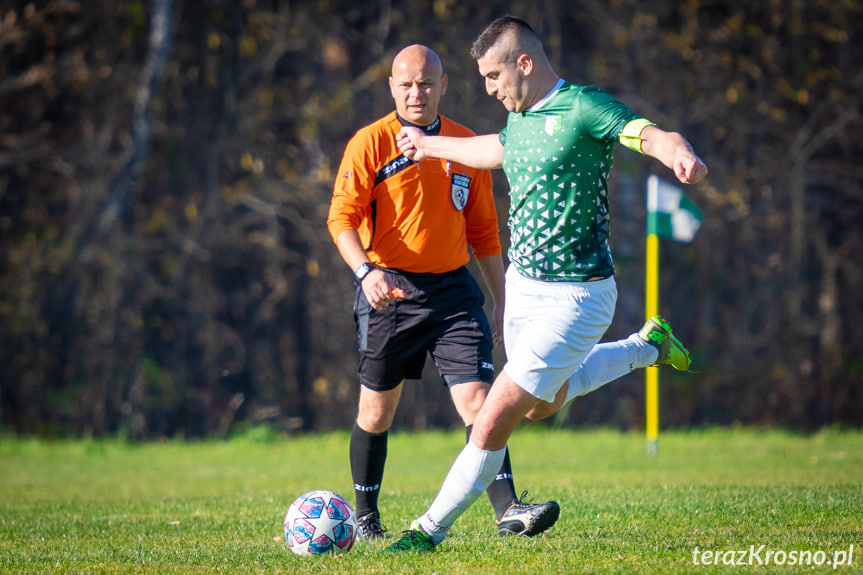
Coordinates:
<point>166,168</point>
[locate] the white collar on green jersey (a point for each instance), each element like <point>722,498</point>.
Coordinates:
<point>547,97</point>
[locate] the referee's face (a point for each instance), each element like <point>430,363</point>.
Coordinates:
<point>417,84</point>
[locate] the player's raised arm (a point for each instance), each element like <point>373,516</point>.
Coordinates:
<point>483,152</point>
<point>675,152</point>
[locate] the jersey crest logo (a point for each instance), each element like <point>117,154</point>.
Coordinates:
<point>460,190</point>
<point>552,125</point>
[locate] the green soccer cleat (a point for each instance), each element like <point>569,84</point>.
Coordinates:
<point>657,332</point>
<point>413,540</point>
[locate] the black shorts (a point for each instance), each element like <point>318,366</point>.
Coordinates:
<point>442,315</point>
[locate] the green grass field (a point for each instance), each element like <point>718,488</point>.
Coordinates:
<point>217,507</point>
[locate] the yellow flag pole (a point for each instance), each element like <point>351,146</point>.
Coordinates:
<point>651,297</point>
<point>652,373</point>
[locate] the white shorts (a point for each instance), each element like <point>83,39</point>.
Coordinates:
<point>550,327</point>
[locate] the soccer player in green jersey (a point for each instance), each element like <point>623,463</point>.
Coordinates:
<point>556,151</point>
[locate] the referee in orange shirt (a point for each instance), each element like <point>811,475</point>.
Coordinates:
<point>403,228</point>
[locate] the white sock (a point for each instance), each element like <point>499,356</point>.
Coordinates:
<point>609,361</point>
<point>471,474</point>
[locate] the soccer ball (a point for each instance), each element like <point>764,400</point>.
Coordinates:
<point>320,522</point>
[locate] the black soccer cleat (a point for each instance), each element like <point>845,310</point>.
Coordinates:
<point>528,519</point>
<point>369,526</point>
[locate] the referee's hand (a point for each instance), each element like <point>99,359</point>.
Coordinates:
<point>379,289</point>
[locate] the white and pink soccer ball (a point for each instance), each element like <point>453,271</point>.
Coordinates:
<point>320,522</point>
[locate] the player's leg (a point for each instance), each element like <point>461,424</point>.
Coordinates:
<point>463,355</point>
<point>550,329</point>
<point>514,515</point>
<point>503,409</point>
<point>609,361</point>
<point>473,470</point>
<point>605,363</point>
<point>539,350</point>
<point>468,398</point>
<point>653,344</point>
<point>545,409</point>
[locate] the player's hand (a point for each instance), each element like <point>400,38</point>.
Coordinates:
<point>409,140</point>
<point>688,167</point>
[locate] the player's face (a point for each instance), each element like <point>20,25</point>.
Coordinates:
<point>504,81</point>
<point>417,85</point>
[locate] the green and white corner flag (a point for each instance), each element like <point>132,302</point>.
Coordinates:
<point>670,213</point>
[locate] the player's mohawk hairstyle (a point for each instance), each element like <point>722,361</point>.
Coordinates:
<point>494,32</point>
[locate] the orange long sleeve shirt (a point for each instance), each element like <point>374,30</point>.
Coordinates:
<point>415,217</point>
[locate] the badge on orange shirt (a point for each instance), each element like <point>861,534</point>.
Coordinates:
<point>460,190</point>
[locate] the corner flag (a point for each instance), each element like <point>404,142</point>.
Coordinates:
<point>670,214</point>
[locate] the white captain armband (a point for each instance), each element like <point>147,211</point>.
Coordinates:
<point>630,136</point>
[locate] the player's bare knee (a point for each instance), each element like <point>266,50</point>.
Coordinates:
<point>377,409</point>
<point>375,419</point>
<point>475,404</point>
<point>541,411</point>
<point>468,399</point>
<point>374,425</point>
<point>544,408</point>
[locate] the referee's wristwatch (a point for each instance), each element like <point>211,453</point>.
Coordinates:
<point>363,270</point>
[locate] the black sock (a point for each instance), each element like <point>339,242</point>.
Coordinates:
<point>368,454</point>
<point>501,492</point>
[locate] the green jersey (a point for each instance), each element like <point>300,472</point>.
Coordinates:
<point>557,156</point>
